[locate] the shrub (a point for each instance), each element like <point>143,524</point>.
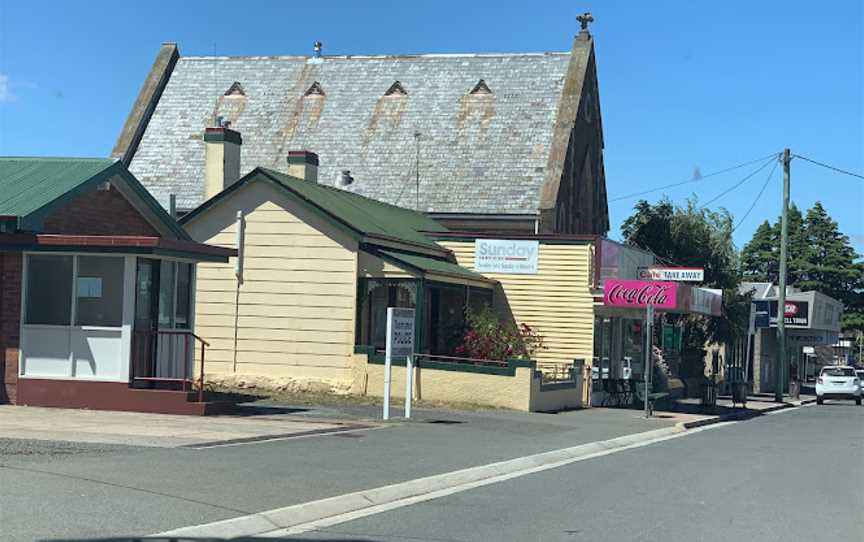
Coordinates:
<point>490,338</point>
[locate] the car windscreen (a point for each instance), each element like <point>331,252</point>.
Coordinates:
<point>838,372</point>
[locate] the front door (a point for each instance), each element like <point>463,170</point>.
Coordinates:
<point>146,319</point>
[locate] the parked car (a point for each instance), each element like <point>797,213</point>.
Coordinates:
<point>838,382</point>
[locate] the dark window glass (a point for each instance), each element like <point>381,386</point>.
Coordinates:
<point>99,291</point>
<point>49,290</point>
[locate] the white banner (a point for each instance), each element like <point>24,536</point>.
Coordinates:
<point>506,256</point>
<point>673,274</point>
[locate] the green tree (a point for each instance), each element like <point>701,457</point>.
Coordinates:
<point>693,236</point>
<point>820,258</point>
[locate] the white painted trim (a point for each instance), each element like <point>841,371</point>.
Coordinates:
<point>74,379</point>
<point>127,318</point>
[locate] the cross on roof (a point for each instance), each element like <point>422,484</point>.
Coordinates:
<point>584,20</point>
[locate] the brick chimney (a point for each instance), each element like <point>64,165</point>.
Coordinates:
<point>221,159</point>
<point>303,165</point>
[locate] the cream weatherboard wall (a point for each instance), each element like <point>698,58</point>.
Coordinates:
<point>296,306</point>
<point>557,301</point>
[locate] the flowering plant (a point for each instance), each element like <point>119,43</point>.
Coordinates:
<point>490,338</point>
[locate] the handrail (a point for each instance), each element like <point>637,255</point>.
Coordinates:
<point>178,332</point>
<point>186,354</point>
<point>469,360</point>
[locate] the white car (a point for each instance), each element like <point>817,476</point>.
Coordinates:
<point>838,382</point>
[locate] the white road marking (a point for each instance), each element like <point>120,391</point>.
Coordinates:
<point>312,515</point>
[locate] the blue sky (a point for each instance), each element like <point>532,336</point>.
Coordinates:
<point>683,85</point>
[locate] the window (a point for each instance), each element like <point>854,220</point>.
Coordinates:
<point>99,291</point>
<point>446,325</point>
<point>49,290</point>
<point>184,295</point>
<point>167,272</point>
<point>375,296</point>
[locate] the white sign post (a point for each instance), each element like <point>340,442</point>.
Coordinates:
<point>400,343</point>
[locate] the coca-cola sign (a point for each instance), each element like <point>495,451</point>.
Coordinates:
<point>640,294</point>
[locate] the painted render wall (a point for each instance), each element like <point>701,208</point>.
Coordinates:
<point>296,306</point>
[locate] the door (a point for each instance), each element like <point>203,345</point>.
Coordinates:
<point>146,319</point>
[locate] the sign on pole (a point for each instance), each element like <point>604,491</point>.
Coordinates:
<point>674,274</point>
<point>400,343</point>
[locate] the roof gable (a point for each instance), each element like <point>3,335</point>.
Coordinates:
<point>367,218</point>
<point>32,187</point>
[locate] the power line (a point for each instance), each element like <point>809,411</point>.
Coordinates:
<point>703,177</point>
<point>759,195</point>
<point>837,169</point>
<point>736,185</point>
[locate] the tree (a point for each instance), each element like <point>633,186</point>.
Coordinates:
<point>693,236</point>
<point>819,258</point>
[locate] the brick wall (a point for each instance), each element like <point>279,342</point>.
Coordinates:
<point>98,213</point>
<point>10,323</point>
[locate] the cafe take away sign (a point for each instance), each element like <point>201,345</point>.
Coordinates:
<point>674,274</point>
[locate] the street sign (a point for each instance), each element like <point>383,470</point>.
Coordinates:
<point>674,274</point>
<point>400,343</point>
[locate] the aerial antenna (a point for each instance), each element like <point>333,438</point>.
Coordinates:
<point>417,170</point>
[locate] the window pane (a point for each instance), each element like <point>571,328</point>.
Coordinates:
<point>49,290</point>
<point>100,291</point>
<point>166,293</point>
<point>184,282</point>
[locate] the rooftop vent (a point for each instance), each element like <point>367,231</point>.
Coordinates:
<point>314,90</point>
<point>481,88</point>
<point>396,89</point>
<point>236,89</point>
<point>344,178</point>
<point>316,47</point>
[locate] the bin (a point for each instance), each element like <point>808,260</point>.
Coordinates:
<point>739,393</point>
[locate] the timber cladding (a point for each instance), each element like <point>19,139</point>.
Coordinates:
<point>296,306</point>
<point>557,301</point>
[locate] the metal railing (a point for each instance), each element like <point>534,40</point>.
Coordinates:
<point>150,349</point>
<point>456,359</point>
<point>554,371</point>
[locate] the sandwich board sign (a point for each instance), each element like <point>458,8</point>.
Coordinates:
<point>673,274</point>
<point>400,344</point>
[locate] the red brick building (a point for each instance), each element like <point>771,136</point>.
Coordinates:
<point>97,288</point>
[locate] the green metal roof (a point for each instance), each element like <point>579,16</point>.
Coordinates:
<point>28,184</point>
<point>32,186</point>
<point>426,265</point>
<point>366,216</point>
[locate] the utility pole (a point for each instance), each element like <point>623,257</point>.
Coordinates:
<point>780,365</point>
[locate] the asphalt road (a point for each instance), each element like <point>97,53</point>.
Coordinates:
<point>54,490</point>
<point>794,475</point>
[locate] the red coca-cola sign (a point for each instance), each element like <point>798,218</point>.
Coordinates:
<point>640,293</point>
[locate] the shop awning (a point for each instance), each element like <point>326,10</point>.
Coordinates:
<point>435,269</point>
<point>124,244</point>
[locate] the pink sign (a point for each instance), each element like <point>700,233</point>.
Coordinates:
<point>640,293</point>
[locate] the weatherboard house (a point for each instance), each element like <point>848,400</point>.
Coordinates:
<point>481,142</point>
<point>97,287</point>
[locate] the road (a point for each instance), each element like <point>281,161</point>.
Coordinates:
<point>794,475</point>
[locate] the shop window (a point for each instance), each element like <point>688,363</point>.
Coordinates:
<point>49,290</point>
<point>184,296</point>
<point>167,276</point>
<point>447,305</point>
<point>99,291</point>
<point>478,298</point>
<point>375,296</point>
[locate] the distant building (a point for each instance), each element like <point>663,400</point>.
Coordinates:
<point>486,142</point>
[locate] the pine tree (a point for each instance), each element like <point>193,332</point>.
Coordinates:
<point>830,266</point>
<point>759,257</point>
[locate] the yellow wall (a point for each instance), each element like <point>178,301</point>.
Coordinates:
<point>369,266</point>
<point>557,301</point>
<point>297,302</point>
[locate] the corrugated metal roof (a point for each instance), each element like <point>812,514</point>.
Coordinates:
<point>483,153</point>
<point>435,266</point>
<point>28,184</point>
<point>363,215</point>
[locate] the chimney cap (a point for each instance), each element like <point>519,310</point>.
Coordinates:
<point>302,157</point>
<point>223,134</point>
